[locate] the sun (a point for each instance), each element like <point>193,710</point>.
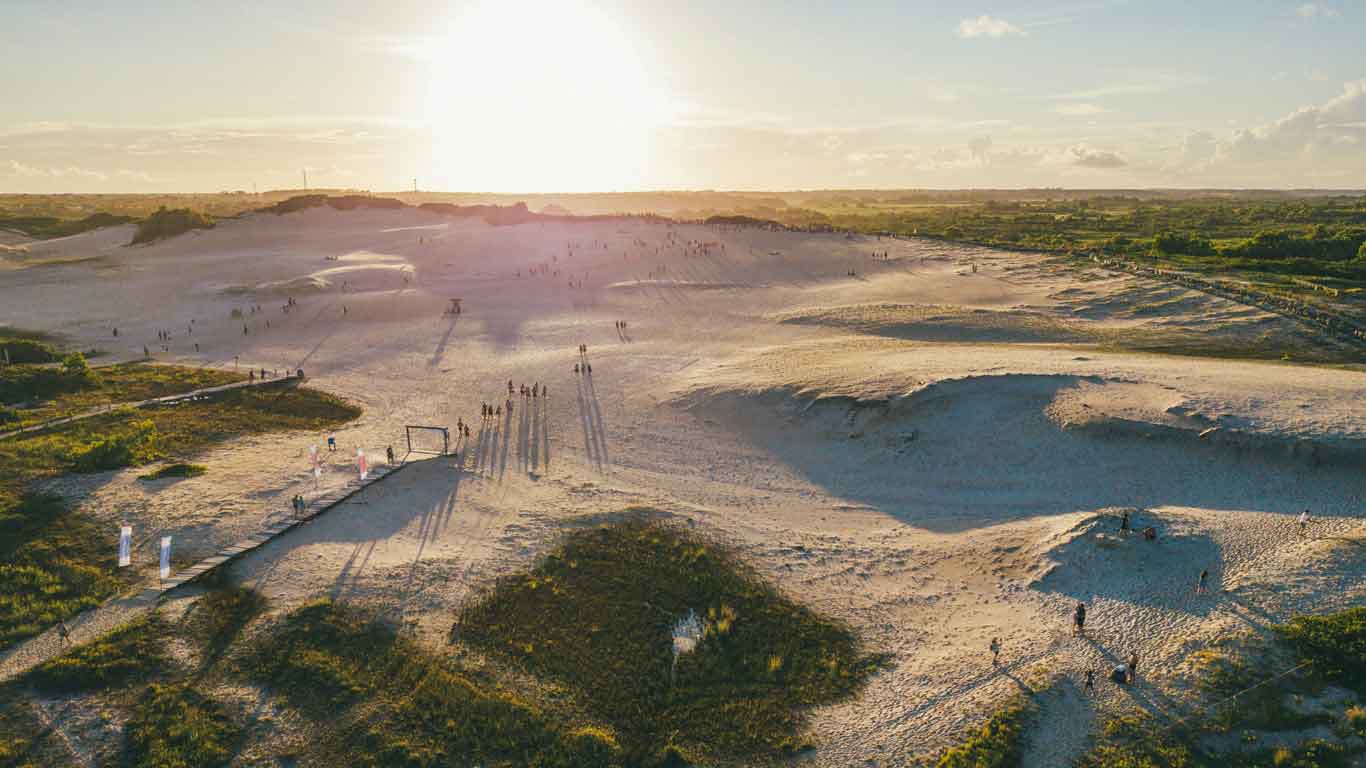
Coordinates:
<point>539,96</point>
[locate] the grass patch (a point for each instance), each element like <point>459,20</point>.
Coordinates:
<point>1334,645</point>
<point>179,469</point>
<point>389,702</point>
<point>174,726</point>
<point>596,616</point>
<point>55,563</point>
<point>999,743</point>
<point>222,614</point>
<point>52,397</point>
<point>130,653</point>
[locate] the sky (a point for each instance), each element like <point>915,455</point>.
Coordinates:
<point>621,95</point>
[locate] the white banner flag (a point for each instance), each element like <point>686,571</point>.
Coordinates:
<point>125,546</point>
<point>361,465</point>
<point>165,556</point>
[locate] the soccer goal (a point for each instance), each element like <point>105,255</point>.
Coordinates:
<point>425,439</point>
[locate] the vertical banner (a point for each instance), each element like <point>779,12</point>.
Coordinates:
<point>165,557</point>
<point>361,465</point>
<point>125,546</point>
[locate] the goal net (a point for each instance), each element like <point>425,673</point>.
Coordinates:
<point>424,439</point>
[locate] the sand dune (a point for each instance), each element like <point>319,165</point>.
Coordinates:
<point>935,455</point>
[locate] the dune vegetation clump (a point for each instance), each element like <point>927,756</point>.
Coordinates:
<point>598,615</point>
<point>131,653</point>
<point>391,702</point>
<point>169,223</point>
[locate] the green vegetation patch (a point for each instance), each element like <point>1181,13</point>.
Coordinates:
<point>1334,645</point>
<point>26,350</point>
<point>597,616</point>
<point>55,562</point>
<point>169,223</point>
<point>53,226</point>
<point>221,615</point>
<point>176,470</point>
<point>21,383</point>
<point>999,743</point>
<point>174,726</point>
<point>393,703</point>
<point>131,653</point>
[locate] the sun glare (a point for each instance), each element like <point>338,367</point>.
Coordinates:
<point>539,96</point>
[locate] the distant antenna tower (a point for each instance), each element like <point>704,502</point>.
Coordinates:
<point>305,170</point>
<point>414,183</point>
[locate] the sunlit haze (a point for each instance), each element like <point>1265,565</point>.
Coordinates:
<point>600,95</point>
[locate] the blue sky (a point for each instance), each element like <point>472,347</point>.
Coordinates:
<point>586,95</point>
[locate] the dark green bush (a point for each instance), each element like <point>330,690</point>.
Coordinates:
<point>169,223</point>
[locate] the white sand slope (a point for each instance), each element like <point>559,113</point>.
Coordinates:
<point>935,455</point>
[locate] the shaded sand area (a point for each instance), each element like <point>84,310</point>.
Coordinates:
<point>935,448</point>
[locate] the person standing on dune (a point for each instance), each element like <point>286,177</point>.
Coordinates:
<point>1304,522</point>
<point>1079,620</point>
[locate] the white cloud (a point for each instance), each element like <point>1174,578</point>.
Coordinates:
<point>1082,109</point>
<point>987,26</point>
<point>1086,157</point>
<point>1310,11</point>
<point>1137,83</point>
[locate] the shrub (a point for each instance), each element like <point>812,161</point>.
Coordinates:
<point>169,223</point>
<point>26,351</point>
<point>134,444</point>
<point>1183,243</point>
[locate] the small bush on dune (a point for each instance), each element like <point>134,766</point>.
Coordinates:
<point>169,223</point>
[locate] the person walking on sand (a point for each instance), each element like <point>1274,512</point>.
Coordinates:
<point>1133,666</point>
<point>63,632</point>
<point>1079,620</point>
<point>332,443</point>
<point>1200,586</point>
<point>1304,522</point>
<point>995,652</point>
<point>1124,522</point>
<point>1090,686</point>
<point>389,454</point>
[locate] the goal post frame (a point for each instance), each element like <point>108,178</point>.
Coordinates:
<point>445,438</point>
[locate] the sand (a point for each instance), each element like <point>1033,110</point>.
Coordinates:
<point>937,456</point>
